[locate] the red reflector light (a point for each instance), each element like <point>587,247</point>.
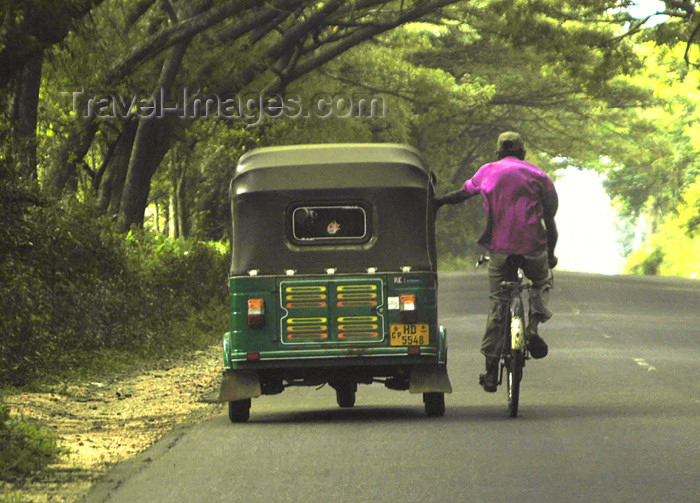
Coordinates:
<point>407,302</point>
<point>256,313</point>
<point>407,308</point>
<point>413,350</point>
<point>253,356</point>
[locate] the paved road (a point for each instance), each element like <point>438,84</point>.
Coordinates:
<point>611,415</point>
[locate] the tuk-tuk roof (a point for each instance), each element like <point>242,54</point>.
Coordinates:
<point>329,153</point>
<point>329,166</point>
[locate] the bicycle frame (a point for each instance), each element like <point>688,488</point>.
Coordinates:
<point>514,348</point>
<point>517,321</point>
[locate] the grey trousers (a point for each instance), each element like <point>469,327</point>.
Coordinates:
<point>536,269</point>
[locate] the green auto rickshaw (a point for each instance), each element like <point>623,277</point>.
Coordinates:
<point>333,275</point>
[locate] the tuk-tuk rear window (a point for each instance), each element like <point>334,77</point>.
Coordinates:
<point>326,224</point>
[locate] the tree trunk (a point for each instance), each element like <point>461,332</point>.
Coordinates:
<point>166,218</point>
<point>157,217</point>
<point>23,116</point>
<point>183,215</point>
<point>152,142</point>
<point>174,222</point>
<point>111,186</point>
<point>61,176</point>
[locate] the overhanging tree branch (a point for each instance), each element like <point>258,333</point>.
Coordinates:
<point>353,39</point>
<point>691,39</point>
<point>158,42</point>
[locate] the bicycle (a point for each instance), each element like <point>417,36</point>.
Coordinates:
<point>514,352</point>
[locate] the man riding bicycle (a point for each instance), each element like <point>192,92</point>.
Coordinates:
<point>520,202</point>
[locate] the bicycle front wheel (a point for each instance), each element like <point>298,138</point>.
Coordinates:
<point>514,373</point>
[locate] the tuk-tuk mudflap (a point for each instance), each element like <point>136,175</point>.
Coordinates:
<point>429,379</point>
<point>239,385</point>
<point>432,378</point>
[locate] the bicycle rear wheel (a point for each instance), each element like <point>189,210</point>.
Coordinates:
<point>516,356</point>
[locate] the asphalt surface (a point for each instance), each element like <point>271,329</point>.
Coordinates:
<point>611,415</point>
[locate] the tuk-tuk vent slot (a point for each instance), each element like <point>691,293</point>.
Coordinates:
<point>357,296</point>
<point>358,288</point>
<point>306,296</point>
<point>307,336</point>
<point>302,305</point>
<point>358,335</point>
<point>356,303</point>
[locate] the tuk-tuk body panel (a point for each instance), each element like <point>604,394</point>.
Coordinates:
<point>331,317</point>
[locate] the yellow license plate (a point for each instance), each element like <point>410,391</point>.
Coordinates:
<point>409,334</point>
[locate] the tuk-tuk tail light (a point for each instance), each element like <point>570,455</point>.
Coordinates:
<point>407,308</point>
<point>256,313</point>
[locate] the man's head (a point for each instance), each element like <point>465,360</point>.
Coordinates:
<point>510,145</point>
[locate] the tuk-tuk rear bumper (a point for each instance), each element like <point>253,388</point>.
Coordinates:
<point>239,384</point>
<point>426,366</point>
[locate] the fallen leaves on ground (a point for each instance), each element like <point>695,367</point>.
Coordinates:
<point>105,423</point>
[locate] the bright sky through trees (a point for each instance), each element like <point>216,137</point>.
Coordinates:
<point>585,220</point>
<point>644,8</point>
<point>588,240</point>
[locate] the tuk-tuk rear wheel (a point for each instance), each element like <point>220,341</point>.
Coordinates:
<point>434,404</point>
<point>345,397</point>
<point>239,410</point>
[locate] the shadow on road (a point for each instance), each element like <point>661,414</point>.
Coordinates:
<point>473,414</point>
<point>356,414</point>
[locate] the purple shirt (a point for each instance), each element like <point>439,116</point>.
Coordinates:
<point>517,196</point>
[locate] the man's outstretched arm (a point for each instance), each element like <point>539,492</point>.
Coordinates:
<point>454,197</point>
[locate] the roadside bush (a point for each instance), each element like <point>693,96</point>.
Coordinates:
<point>26,447</point>
<point>70,287</point>
<point>674,250</point>
<point>646,261</point>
